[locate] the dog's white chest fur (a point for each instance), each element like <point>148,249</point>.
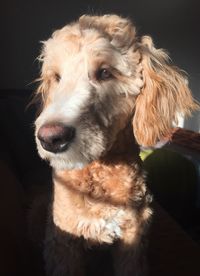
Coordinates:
<point>78,217</point>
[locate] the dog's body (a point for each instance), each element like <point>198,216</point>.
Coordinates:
<point>100,84</point>
<point>101,204</point>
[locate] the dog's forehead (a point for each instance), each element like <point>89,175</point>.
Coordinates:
<point>68,43</point>
<point>72,50</point>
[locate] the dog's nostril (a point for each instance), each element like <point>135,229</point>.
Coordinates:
<point>56,137</point>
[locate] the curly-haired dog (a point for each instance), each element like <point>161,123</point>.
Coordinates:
<point>104,91</point>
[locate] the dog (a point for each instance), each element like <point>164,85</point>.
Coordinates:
<point>104,91</point>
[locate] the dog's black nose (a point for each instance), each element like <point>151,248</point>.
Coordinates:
<point>55,137</point>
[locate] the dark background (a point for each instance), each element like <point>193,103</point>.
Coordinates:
<point>174,25</point>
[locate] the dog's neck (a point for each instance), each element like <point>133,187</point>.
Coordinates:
<point>110,178</point>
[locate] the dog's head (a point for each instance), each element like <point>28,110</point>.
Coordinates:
<point>97,76</point>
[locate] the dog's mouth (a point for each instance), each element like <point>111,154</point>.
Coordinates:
<point>55,146</point>
<point>56,137</point>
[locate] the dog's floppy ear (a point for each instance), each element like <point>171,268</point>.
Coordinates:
<point>165,95</point>
<point>120,31</point>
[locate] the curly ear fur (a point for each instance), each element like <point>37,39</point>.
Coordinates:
<point>165,95</point>
<point>120,31</point>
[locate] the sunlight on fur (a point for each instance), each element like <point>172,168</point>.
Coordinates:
<point>104,91</point>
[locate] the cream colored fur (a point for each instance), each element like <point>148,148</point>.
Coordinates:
<point>100,195</point>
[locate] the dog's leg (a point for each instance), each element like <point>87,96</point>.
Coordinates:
<point>63,254</point>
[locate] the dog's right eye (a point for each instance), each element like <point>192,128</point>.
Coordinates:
<point>103,74</point>
<point>57,77</point>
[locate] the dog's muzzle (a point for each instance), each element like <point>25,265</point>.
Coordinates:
<point>55,137</point>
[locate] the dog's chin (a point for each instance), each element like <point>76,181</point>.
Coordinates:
<point>68,160</point>
<point>60,163</point>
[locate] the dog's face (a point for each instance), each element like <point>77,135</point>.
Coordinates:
<point>88,96</point>
<point>93,74</point>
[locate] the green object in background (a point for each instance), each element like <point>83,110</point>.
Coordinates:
<point>145,153</point>
<point>173,180</point>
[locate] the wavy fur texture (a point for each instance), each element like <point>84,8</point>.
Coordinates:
<point>100,197</point>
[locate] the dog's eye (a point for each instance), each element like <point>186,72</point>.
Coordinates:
<point>103,74</point>
<point>57,77</point>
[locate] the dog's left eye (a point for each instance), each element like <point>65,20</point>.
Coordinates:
<point>103,74</point>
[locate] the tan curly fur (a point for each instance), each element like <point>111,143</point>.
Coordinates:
<point>100,196</point>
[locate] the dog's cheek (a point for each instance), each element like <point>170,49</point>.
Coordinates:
<point>92,142</point>
<point>100,123</point>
